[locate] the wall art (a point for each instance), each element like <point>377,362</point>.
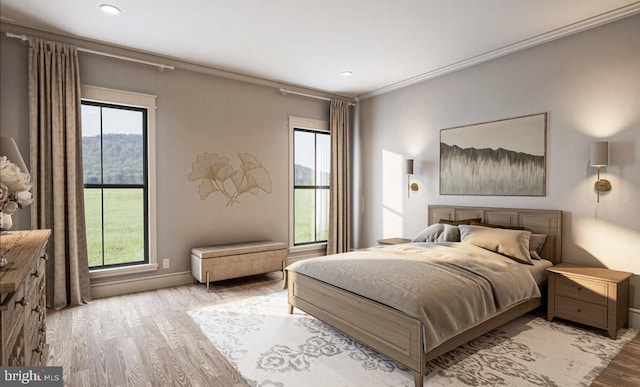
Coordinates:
<point>505,157</point>
<point>216,175</point>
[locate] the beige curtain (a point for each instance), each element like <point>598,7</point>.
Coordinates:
<point>56,168</point>
<point>339,240</point>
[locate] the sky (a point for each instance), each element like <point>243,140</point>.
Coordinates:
<point>118,121</point>
<point>525,134</point>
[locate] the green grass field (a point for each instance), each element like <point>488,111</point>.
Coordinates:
<point>305,219</point>
<point>123,226</point>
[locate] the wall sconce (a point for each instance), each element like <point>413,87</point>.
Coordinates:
<point>600,158</point>
<point>410,186</point>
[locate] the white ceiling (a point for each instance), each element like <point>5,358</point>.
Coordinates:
<point>310,42</point>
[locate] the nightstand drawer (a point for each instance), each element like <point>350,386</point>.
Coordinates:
<point>581,289</point>
<point>583,312</point>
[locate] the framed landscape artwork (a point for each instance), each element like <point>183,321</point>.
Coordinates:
<point>501,158</point>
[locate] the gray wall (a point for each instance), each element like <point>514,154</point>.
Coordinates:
<point>196,113</point>
<point>589,84</point>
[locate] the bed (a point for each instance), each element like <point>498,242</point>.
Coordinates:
<point>400,335</point>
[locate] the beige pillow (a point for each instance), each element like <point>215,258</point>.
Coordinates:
<point>536,242</point>
<point>511,243</point>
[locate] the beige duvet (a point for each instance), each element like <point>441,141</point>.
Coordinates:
<point>450,287</point>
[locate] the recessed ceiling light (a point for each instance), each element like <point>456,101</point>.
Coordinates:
<point>346,73</point>
<point>110,9</point>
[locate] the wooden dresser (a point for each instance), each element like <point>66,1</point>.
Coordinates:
<point>589,295</point>
<point>23,331</point>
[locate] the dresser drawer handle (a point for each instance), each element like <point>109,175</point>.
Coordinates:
<point>579,310</point>
<point>36,274</point>
<point>37,309</point>
<point>45,257</point>
<point>23,302</point>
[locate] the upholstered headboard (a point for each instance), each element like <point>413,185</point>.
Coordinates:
<point>537,221</point>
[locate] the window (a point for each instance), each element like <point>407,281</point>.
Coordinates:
<point>119,189</point>
<point>311,176</point>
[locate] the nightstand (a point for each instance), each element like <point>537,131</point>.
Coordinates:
<point>593,296</point>
<point>393,241</point>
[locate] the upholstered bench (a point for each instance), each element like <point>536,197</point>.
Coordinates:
<point>216,263</point>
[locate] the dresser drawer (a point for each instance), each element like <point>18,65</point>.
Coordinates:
<point>582,289</point>
<point>23,340</point>
<point>15,353</point>
<point>582,312</point>
<point>12,315</point>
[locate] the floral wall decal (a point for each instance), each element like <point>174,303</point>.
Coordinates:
<point>217,175</point>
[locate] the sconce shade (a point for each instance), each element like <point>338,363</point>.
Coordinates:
<point>9,149</point>
<point>599,154</point>
<point>410,167</point>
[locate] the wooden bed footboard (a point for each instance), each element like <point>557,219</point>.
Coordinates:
<point>382,328</point>
<point>387,330</point>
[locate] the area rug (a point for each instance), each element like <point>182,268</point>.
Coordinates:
<point>270,347</point>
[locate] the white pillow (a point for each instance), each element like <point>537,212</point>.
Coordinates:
<point>438,232</point>
<point>511,243</point>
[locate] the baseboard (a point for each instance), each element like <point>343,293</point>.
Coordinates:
<point>634,318</point>
<point>134,285</point>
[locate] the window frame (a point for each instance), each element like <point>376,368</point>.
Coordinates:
<point>312,126</point>
<point>125,99</point>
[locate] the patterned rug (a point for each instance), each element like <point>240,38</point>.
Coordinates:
<point>271,348</point>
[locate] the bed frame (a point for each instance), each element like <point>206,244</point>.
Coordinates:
<point>397,335</point>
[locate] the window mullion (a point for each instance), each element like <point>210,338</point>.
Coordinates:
<point>101,190</point>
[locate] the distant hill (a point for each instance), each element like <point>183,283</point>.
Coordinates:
<point>304,175</point>
<point>122,162</point>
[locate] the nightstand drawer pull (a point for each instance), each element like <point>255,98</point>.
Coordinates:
<point>579,310</point>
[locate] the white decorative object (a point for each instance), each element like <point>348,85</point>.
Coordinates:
<point>15,182</point>
<point>5,221</point>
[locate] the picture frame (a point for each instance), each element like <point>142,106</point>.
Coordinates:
<point>497,158</point>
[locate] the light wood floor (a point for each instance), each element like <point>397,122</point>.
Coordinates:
<point>147,339</point>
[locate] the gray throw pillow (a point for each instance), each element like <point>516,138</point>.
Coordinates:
<point>438,232</point>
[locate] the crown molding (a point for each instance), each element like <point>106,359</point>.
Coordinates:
<point>562,32</point>
<point>140,55</point>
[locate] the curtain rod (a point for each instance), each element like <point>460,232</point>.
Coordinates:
<point>285,92</point>
<point>160,66</point>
